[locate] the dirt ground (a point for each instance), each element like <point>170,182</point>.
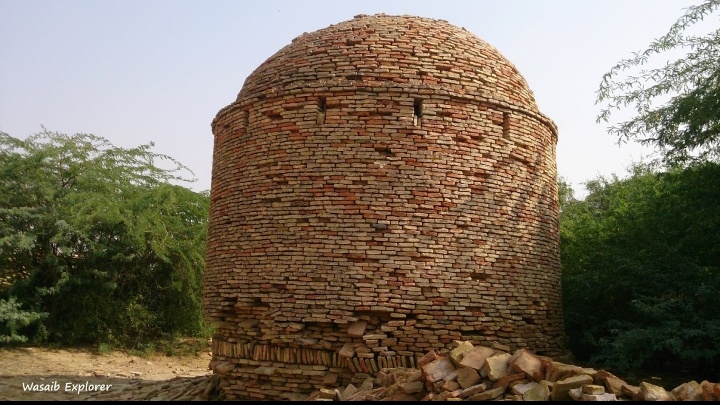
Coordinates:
<point>60,374</point>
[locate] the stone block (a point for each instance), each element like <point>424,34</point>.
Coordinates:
<point>613,385</point>
<point>412,387</point>
<point>599,397</point>
<point>475,358</point>
<point>414,375</point>
<point>265,370</point>
<point>710,391</point>
<point>575,393</point>
<point>374,336</point>
<point>457,354</point>
<point>470,391</point>
<point>452,376</point>
<point>467,377</point>
<point>592,389</point>
<point>349,391</point>
<point>520,389</point>
<point>539,392</point>
<point>600,376</point>
<point>689,391</point>
<point>496,366</point>
<point>382,379</point>
<point>561,388</point>
<point>631,391</point>
<point>367,385</point>
<point>222,366</point>
<point>450,385</point>
<point>556,371</point>
<point>501,347</point>
<point>427,358</point>
<point>330,379</point>
<point>525,362</point>
<point>506,380</point>
<point>438,369</point>
<point>327,393</point>
<point>652,392</point>
<point>487,394</point>
<point>348,350</point>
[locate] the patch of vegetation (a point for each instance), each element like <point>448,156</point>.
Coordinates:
<point>104,348</point>
<point>641,270</point>
<point>99,240</point>
<point>13,318</point>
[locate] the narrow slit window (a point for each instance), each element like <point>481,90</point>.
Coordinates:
<point>417,112</point>
<point>244,118</point>
<point>506,125</point>
<point>322,108</point>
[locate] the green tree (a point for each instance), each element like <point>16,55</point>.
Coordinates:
<point>687,127</point>
<point>641,270</point>
<point>13,318</point>
<point>96,237</point>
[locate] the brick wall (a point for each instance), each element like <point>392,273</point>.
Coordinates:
<point>380,187</point>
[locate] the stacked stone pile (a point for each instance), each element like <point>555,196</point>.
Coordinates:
<point>479,373</point>
<point>465,373</point>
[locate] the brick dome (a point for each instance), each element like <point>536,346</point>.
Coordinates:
<point>380,187</point>
<point>391,51</point>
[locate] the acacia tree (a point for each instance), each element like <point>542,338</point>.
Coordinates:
<point>687,127</point>
<point>96,237</point>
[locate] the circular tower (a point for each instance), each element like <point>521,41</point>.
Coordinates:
<point>380,187</point>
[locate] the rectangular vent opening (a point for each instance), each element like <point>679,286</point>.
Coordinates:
<point>322,109</point>
<point>479,276</point>
<point>417,112</point>
<point>244,118</point>
<point>506,125</point>
<point>384,150</point>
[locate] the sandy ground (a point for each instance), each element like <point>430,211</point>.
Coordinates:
<point>58,370</point>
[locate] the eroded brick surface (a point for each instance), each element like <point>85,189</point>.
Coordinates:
<point>387,169</point>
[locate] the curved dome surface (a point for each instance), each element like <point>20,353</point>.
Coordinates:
<point>393,51</point>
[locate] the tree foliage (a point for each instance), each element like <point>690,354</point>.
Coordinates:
<point>686,127</point>
<point>641,269</point>
<point>96,237</point>
<point>13,318</point>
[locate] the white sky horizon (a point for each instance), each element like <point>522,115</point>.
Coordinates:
<point>137,72</point>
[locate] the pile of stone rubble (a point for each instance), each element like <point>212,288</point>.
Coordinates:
<point>477,373</point>
<point>466,373</point>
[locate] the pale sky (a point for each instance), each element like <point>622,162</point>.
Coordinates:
<point>158,71</point>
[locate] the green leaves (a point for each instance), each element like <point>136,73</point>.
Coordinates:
<point>97,237</point>
<point>12,318</point>
<point>687,127</point>
<point>641,269</point>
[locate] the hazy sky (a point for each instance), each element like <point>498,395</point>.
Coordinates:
<point>158,71</point>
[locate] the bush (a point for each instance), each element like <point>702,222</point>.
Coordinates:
<point>12,318</point>
<point>98,238</point>
<point>641,270</point>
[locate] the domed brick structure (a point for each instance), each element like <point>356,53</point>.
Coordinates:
<point>380,187</point>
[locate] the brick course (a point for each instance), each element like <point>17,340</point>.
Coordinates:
<point>387,169</point>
